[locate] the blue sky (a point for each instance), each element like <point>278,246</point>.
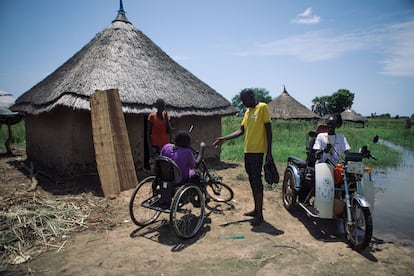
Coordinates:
<point>313,48</point>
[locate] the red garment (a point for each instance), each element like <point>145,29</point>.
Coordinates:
<point>159,134</point>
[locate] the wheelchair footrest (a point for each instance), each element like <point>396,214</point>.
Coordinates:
<point>157,205</point>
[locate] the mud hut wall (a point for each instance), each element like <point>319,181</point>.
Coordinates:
<point>205,129</point>
<point>60,142</point>
<point>136,134</point>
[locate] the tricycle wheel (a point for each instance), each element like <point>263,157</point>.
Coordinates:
<point>289,193</point>
<point>359,231</point>
<point>219,191</point>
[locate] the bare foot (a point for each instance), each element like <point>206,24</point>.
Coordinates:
<point>257,220</point>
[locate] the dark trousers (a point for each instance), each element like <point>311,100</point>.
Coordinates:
<point>253,163</point>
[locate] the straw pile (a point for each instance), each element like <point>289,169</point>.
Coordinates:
<point>35,224</point>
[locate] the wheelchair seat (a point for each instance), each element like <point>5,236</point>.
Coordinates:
<point>167,170</point>
<point>168,178</point>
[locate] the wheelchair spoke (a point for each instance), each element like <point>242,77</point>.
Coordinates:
<point>187,211</point>
<point>141,204</point>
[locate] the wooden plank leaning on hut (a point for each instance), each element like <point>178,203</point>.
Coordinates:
<point>112,148</point>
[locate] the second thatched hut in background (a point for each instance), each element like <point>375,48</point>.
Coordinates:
<point>286,107</point>
<point>351,116</point>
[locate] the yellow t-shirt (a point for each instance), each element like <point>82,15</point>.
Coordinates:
<point>254,121</point>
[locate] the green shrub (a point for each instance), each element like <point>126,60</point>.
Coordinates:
<point>18,135</point>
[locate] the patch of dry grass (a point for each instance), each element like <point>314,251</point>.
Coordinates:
<point>32,224</point>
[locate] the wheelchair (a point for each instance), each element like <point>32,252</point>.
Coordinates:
<point>162,193</point>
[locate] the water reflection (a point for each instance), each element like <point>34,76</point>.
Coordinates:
<point>394,205</point>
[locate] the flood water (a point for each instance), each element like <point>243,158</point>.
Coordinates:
<point>393,216</point>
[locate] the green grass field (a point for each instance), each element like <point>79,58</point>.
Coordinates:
<point>289,138</point>
<point>18,138</point>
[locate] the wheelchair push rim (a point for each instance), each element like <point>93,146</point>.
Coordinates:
<point>187,211</point>
<point>142,199</point>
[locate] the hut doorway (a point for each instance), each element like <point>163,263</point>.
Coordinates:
<point>146,153</point>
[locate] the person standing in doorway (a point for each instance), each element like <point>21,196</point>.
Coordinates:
<point>158,129</point>
<point>257,128</point>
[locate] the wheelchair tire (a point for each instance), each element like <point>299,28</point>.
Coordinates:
<point>141,199</point>
<point>187,211</point>
<point>219,191</point>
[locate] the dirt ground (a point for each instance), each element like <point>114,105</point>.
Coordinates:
<point>108,243</point>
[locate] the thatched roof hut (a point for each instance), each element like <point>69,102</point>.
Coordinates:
<point>349,115</point>
<point>286,107</point>
<point>123,57</point>
<point>58,127</point>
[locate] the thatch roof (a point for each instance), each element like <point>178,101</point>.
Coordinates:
<point>286,107</point>
<point>123,57</point>
<point>351,116</point>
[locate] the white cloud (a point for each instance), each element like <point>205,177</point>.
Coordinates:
<point>308,47</point>
<point>399,50</point>
<point>306,17</point>
<point>306,13</point>
<point>394,43</point>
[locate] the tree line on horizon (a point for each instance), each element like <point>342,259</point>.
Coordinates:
<point>338,102</point>
<point>324,105</point>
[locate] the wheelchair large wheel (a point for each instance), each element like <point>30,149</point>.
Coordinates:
<point>219,191</point>
<point>142,199</point>
<point>187,211</point>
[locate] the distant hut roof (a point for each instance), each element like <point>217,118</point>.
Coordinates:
<point>6,99</point>
<point>123,57</point>
<point>286,107</point>
<point>351,116</point>
<point>6,115</point>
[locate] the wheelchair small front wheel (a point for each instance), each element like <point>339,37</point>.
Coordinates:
<point>187,211</point>
<point>140,203</point>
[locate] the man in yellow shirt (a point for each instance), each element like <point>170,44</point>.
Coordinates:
<point>256,125</point>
